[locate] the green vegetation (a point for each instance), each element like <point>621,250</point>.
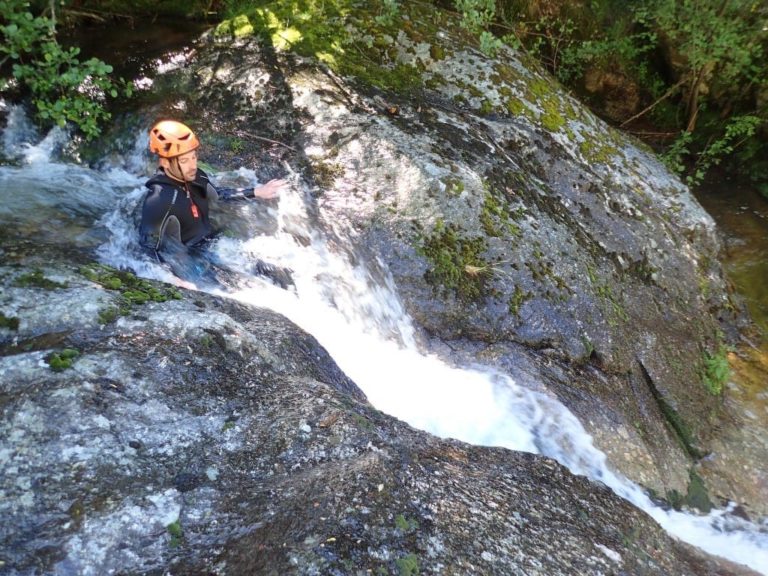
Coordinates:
<point>133,290</point>
<point>322,29</point>
<point>228,425</point>
<point>682,430</point>
<point>495,215</point>
<point>62,88</point>
<point>236,145</point>
<point>699,68</point>
<point>408,565</point>
<point>517,299</point>
<point>200,9</point>
<point>36,279</point>
<point>175,533</point>
<point>603,290</point>
<point>456,261</point>
<point>60,361</point>
<point>695,497</point>
<point>715,370</point>
<point>9,322</point>
<point>404,524</point>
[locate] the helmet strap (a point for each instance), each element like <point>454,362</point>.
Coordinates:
<point>173,169</point>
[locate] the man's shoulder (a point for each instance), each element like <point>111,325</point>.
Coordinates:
<point>160,183</point>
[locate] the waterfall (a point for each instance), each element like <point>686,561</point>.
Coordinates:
<point>353,310</point>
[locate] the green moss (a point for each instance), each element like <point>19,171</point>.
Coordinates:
<point>603,290</point>
<point>459,100</point>
<point>407,565</point>
<point>60,361</point>
<point>495,216</point>
<point>505,73</point>
<point>517,299</point>
<point>436,52</point>
<point>675,499</point>
<point>9,322</point>
<point>127,283</point>
<point>326,173</point>
<point>697,496</point>
<point>109,315</point>
<point>341,34</point>
<point>453,257</point>
<point>596,152</point>
<point>404,524</point>
<point>551,119</point>
<point>453,186</point>
<point>175,533</point>
<point>362,421</point>
<point>682,430</point>
<point>435,81</point>
<point>540,88</point>
<point>486,107</point>
<point>36,279</point>
<point>133,290</point>
<point>228,425</point>
<point>515,106</point>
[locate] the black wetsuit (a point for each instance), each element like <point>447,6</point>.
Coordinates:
<point>178,211</point>
<point>174,220</point>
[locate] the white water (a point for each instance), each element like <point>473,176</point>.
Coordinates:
<point>357,316</point>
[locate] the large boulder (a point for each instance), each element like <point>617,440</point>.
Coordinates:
<point>520,230</point>
<point>148,430</point>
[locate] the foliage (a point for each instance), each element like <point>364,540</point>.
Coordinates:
<point>716,370</point>
<point>737,130</point>
<point>63,89</point>
<point>721,46</point>
<point>390,9</point>
<point>709,89</point>
<point>476,16</point>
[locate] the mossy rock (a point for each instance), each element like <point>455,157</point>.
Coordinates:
<point>453,257</point>
<point>9,322</point>
<point>36,279</point>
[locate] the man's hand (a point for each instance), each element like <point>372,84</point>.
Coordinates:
<point>184,284</point>
<point>270,190</point>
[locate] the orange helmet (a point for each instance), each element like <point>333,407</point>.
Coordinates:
<point>170,139</point>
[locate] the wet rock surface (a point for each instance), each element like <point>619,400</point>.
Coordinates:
<point>199,436</point>
<point>564,252</point>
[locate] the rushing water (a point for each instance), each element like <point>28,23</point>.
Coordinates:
<point>354,313</point>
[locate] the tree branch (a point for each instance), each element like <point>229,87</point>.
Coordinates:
<point>666,95</point>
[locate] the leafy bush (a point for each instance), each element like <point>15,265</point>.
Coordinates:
<point>63,89</point>
<point>700,66</point>
<point>716,370</point>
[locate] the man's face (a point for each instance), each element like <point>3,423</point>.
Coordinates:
<point>188,165</point>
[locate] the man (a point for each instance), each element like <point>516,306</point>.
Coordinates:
<point>174,217</point>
